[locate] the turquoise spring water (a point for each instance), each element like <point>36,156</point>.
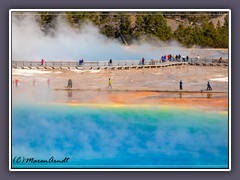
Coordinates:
<point>118,137</point>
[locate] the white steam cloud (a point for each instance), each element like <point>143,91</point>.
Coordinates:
<point>30,43</point>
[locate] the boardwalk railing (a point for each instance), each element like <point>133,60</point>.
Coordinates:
<point>100,64</point>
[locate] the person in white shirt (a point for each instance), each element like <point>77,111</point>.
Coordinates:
<point>198,58</point>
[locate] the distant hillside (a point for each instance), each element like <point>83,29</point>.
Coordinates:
<point>188,28</point>
<point>174,23</point>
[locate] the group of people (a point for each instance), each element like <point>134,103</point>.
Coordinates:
<point>70,84</point>
<point>171,57</point>
<point>164,58</point>
<point>209,86</point>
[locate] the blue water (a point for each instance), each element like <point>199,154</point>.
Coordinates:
<point>119,137</point>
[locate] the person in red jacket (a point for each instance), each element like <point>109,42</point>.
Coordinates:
<point>16,82</point>
<point>42,62</point>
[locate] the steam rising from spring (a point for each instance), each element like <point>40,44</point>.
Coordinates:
<point>65,43</point>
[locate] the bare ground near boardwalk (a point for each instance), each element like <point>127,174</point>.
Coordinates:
<point>134,86</point>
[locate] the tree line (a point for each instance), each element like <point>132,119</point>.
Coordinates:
<point>196,29</point>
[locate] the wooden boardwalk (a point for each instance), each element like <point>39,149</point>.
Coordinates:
<point>70,65</point>
<point>142,90</point>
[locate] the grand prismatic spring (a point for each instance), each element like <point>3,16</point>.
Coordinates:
<point>96,127</point>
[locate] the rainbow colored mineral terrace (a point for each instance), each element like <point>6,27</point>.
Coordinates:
<point>144,121</point>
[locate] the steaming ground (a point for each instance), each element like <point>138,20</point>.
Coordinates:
<point>66,43</point>
<point>93,85</point>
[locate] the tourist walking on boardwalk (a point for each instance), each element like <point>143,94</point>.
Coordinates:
<point>220,60</point>
<point>187,58</point>
<point>209,87</point>
<point>183,58</point>
<point>109,83</point>
<point>180,84</point>
<point>42,62</point>
<point>80,62</point>
<point>16,82</point>
<point>198,58</point>
<point>143,61</point>
<point>162,58</point>
<point>110,62</point>
<point>176,58</point>
<point>69,83</point>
